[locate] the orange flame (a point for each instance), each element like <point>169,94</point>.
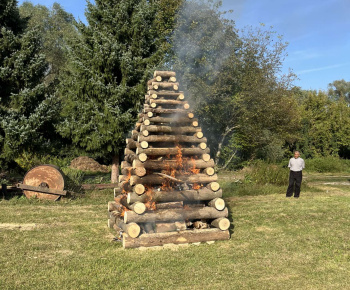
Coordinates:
<point>149,202</point>
<point>119,200</point>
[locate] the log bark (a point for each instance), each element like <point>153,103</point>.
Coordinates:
<point>139,171</point>
<point>172,120</point>
<point>163,164</point>
<point>170,129</point>
<point>217,203</point>
<point>182,237</point>
<point>166,111</point>
<point>171,138</point>
<point>172,151</point>
<point>164,215</point>
<point>125,164</point>
<point>166,85</point>
<point>170,227</point>
<point>221,223</point>
<point>130,143</point>
<point>157,179</point>
<point>169,196</point>
<point>164,74</point>
<point>167,102</point>
<point>115,169</point>
<point>130,155</point>
<point>169,205</point>
<point>168,94</point>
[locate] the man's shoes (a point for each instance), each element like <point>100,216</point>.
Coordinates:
<point>288,196</point>
<point>296,196</point>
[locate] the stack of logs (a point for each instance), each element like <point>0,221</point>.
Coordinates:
<point>168,190</point>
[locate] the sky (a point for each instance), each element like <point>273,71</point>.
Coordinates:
<point>318,33</point>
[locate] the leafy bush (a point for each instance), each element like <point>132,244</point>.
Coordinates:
<point>29,160</point>
<point>327,164</point>
<point>74,178</point>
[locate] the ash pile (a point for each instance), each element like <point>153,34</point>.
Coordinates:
<point>168,191</point>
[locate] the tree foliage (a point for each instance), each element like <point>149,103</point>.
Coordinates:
<point>55,26</point>
<point>109,64</point>
<point>27,105</point>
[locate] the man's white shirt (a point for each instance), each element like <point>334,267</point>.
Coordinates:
<point>296,164</point>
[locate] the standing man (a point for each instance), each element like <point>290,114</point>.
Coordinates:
<point>296,165</point>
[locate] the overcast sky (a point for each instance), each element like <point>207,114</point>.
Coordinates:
<point>318,33</point>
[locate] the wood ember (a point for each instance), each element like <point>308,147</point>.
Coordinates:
<point>168,190</point>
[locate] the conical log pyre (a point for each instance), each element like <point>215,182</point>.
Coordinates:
<point>168,190</point>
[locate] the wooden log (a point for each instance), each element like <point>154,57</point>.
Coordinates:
<point>139,189</point>
<point>99,186</point>
<point>202,145</point>
<point>164,215</point>
<point>169,205</point>
<point>170,227</point>
<point>156,79</point>
<point>221,223</point>
<point>164,74</point>
<point>169,196</point>
<point>166,94</point>
<point>167,102</point>
<point>157,179</point>
<point>139,171</point>
<point>217,203</point>
<point>170,129</point>
<point>171,120</point>
<point>172,79</point>
<point>167,111</point>
<point>143,157</point>
<point>138,207</point>
<point>130,155</point>
<point>171,138</point>
<point>209,171</point>
<point>199,135</point>
<point>130,143</point>
<point>214,186</point>
<point>182,237</point>
<point>132,229</point>
<point>206,157</point>
<point>163,164</point>
<point>165,85</point>
<point>172,151</point>
<point>125,164</point>
<point>148,227</point>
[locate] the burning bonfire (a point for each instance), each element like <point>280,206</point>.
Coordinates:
<point>168,190</point>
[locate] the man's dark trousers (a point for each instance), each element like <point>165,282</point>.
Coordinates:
<point>295,178</point>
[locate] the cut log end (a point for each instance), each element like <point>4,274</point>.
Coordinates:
<point>139,189</point>
<point>217,203</point>
<point>214,186</point>
<point>206,157</point>
<point>143,157</point>
<point>221,223</point>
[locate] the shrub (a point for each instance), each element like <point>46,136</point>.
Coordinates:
<point>263,173</point>
<point>327,164</point>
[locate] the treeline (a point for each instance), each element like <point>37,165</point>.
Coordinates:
<point>68,88</point>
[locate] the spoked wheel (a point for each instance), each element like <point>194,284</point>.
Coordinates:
<point>44,182</point>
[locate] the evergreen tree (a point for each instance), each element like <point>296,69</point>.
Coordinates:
<point>109,65</point>
<point>27,105</point>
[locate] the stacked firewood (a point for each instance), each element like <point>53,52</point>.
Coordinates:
<point>168,191</point>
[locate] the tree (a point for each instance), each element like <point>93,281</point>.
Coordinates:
<point>27,105</point>
<point>339,89</point>
<point>245,105</point>
<point>109,64</point>
<point>56,26</point>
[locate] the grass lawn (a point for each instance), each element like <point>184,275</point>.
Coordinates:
<point>277,243</point>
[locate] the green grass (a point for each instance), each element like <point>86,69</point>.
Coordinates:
<point>277,243</point>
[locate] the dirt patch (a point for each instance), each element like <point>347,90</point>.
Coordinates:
<point>88,164</point>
